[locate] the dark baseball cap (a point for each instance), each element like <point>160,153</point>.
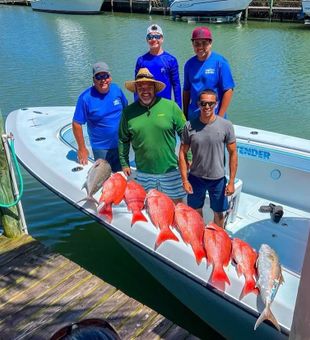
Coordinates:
<point>201,33</point>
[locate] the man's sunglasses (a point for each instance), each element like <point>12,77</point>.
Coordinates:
<point>103,76</point>
<point>203,103</point>
<point>107,331</point>
<point>153,36</point>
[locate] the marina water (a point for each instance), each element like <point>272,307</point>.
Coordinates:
<point>45,60</point>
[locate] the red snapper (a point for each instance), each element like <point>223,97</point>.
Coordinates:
<point>245,258</point>
<point>218,248</point>
<point>113,191</point>
<point>191,226</point>
<point>134,198</point>
<point>161,211</point>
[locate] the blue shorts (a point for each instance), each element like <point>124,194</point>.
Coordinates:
<point>169,183</point>
<point>111,156</point>
<point>216,190</point>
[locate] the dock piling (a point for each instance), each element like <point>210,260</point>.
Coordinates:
<point>10,216</point>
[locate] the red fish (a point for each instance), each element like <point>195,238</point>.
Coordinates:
<point>161,211</point>
<point>113,191</point>
<point>134,198</point>
<point>218,248</point>
<point>245,257</point>
<point>191,226</point>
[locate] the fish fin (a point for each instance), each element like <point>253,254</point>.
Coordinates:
<point>84,186</point>
<point>239,270</point>
<point>106,211</point>
<point>249,286</point>
<point>89,199</point>
<point>267,315</point>
<point>138,216</point>
<point>281,279</point>
<point>199,253</point>
<point>164,235</point>
<point>219,275</point>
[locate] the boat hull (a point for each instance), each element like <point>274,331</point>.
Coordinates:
<point>68,6</point>
<point>306,9</point>
<point>216,309</point>
<point>208,7</point>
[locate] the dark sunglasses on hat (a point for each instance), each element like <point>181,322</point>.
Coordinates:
<point>205,103</point>
<point>103,76</point>
<point>153,36</point>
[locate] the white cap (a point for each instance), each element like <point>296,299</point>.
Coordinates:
<point>154,28</point>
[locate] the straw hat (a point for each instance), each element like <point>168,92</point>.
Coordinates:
<point>144,75</point>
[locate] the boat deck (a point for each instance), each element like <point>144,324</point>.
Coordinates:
<point>41,291</point>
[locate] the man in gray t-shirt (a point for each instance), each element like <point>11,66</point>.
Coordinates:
<point>207,136</point>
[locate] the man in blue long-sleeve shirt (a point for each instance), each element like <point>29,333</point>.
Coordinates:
<point>161,64</point>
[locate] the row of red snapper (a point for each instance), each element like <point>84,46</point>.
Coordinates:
<point>210,242</point>
<point>207,241</point>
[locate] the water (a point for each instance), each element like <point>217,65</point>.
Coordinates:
<point>45,60</point>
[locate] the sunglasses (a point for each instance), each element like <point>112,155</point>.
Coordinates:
<point>100,324</point>
<point>103,76</point>
<point>203,103</point>
<point>153,36</point>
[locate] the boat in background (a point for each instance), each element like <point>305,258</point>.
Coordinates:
<point>68,6</point>
<point>272,169</point>
<point>209,10</point>
<point>306,11</point>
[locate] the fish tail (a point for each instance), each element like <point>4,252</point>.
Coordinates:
<point>249,286</point>
<point>267,315</point>
<point>164,235</point>
<point>106,211</point>
<point>219,275</point>
<point>138,216</point>
<point>199,253</point>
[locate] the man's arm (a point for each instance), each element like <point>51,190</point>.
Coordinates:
<point>186,98</point>
<point>176,85</point>
<point>183,168</point>
<point>79,137</point>
<point>225,102</point>
<point>124,145</point>
<point>233,164</point>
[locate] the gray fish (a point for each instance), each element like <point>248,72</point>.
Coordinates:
<point>96,176</point>
<point>269,279</point>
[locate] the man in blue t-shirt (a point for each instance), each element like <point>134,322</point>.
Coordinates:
<point>100,107</point>
<point>206,70</point>
<point>161,64</point>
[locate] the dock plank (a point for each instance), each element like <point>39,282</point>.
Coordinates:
<point>40,292</point>
<point>72,311</point>
<point>157,328</point>
<point>136,321</point>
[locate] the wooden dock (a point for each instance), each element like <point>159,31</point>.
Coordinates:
<point>40,292</point>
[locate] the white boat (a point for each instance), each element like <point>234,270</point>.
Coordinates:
<point>68,6</point>
<point>273,168</point>
<point>306,10</point>
<point>208,8</point>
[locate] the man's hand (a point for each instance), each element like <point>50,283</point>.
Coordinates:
<point>127,171</point>
<point>83,156</point>
<point>230,189</point>
<point>187,187</point>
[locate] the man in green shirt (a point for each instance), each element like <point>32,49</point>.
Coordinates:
<point>150,125</point>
